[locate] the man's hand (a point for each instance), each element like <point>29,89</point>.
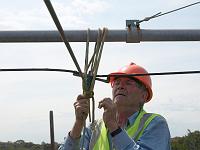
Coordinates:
<point>109,115</point>
<point>81,107</point>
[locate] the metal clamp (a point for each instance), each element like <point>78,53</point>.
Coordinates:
<point>133,31</point>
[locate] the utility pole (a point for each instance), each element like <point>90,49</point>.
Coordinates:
<point>52,130</point>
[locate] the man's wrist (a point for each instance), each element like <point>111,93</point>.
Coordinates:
<point>76,130</point>
<point>74,136</point>
<point>115,132</point>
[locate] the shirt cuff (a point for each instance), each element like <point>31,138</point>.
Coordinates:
<point>70,143</point>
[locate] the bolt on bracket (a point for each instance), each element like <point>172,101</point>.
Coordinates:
<point>133,31</point>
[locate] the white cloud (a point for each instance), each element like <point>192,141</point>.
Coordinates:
<point>90,7</point>
<point>72,14</point>
<point>23,20</point>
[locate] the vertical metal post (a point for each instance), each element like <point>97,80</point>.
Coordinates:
<point>52,130</point>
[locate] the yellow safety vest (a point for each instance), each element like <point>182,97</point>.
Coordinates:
<point>99,139</point>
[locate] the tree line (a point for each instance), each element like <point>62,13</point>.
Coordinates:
<point>22,145</point>
<point>191,141</point>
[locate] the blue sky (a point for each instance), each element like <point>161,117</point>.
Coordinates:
<point>27,97</point>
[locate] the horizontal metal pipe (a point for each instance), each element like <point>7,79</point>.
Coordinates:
<point>54,36</point>
<point>170,35</point>
<point>132,36</point>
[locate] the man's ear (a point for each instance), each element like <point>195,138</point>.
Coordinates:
<point>144,95</point>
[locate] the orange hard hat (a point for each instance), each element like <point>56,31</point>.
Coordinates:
<point>132,68</point>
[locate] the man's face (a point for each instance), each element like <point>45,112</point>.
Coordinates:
<point>127,93</point>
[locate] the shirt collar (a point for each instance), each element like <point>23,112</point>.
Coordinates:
<point>132,119</point>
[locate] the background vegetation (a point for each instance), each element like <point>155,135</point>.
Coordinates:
<point>191,141</point>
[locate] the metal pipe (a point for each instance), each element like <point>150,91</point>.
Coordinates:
<point>171,35</point>
<point>132,36</point>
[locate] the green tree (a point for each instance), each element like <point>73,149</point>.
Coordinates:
<point>189,142</point>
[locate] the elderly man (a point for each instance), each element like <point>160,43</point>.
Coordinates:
<point>124,125</point>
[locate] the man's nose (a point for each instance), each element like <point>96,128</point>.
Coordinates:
<point>121,84</point>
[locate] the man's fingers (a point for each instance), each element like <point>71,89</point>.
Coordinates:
<point>81,112</point>
<point>105,103</point>
<point>82,109</point>
<point>80,96</point>
<point>82,99</point>
<point>81,106</point>
<point>81,103</point>
<point>76,105</point>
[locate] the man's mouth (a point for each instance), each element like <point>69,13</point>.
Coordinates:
<point>120,94</point>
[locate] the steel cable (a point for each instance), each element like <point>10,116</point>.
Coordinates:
<point>161,14</point>
<point>99,77</point>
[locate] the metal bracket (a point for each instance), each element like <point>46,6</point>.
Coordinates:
<point>133,31</point>
<point>132,23</point>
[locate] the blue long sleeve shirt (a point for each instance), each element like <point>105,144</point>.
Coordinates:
<point>155,137</point>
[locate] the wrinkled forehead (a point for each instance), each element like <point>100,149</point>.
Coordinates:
<point>125,79</point>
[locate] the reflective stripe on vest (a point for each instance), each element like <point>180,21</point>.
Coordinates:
<point>99,139</point>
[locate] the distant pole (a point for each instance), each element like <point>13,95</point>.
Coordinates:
<point>52,130</point>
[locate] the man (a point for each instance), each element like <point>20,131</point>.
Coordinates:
<point>125,125</point>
